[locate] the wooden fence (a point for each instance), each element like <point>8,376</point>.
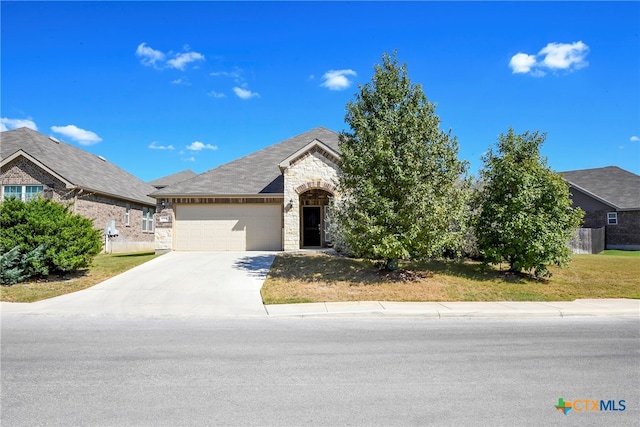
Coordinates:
<point>587,241</point>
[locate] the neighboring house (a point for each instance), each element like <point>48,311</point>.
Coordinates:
<point>610,198</point>
<point>168,180</point>
<point>273,199</point>
<point>35,164</point>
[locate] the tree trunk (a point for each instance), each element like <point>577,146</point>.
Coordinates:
<point>391,264</point>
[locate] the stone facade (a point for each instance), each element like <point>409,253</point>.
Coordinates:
<point>164,226</point>
<point>99,208</point>
<point>314,170</point>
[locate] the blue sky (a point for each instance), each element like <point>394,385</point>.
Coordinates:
<point>159,87</point>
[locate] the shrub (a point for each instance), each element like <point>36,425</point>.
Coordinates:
<point>52,238</point>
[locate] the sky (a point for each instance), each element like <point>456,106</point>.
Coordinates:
<point>160,87</point>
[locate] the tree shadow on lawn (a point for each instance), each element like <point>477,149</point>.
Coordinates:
<point>331,268</point>
<point>131,255</point>
<point>473,270</point>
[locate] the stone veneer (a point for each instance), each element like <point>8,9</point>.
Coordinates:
<point>313,170</point>
<point>164,226</point>
<point>99,208</point>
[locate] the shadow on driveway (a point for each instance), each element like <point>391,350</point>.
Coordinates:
<point>255,266</point>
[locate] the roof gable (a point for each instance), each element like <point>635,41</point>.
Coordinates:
<point>76,167</point>
<point>315,146</point>
<point>611,185</point>
<point>255,174</point>
<point>21,153</point>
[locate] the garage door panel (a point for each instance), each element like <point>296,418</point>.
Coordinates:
<point>228,227</point>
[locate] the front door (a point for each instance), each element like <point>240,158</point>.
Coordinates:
<point>312,225</point>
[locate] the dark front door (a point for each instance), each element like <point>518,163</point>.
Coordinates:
<point>311,224</point>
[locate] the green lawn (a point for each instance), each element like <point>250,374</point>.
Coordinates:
<point>325,278</point>
<point>104,267</point>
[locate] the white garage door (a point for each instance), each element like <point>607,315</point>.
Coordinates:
<point>230,227</point>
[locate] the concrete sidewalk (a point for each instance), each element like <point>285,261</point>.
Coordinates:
<point>501,309</point>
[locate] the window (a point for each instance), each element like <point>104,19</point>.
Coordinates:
<point>22,192</point>
<point>33,191</point>
<point>612,218</point>
<point>127,215</point>
<point>147,219</point>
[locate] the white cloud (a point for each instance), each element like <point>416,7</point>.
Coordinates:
<point>182,59</point>
<point>563,56</point>
<point>245,93</point>
<point>154,146</point>
<point>198,146</point>
<point>181,81</point>
<point>337,79</point>
<point>553,57</point>
<point>156,59</point>
<point>83,137</point>
<point>7,124</point>
<point>634,138</point>
<point>215,94</point>
<point>236,74</point>
<point>149,56</point>
<point>522,63</point>
<point>189,159</point>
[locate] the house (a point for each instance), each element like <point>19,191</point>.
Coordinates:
<point>168,180</point>
<point>610,198</point>
<point>35,164</point>
<point>273,199</point>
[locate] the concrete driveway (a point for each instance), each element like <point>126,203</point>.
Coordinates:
<point>189,284</point>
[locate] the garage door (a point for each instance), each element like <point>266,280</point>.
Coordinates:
<point>230,227</point>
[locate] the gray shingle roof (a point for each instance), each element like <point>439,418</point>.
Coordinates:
<point>79,167</point>
<point>611,184</point>
<point>165,181</point>
<point>256,173</point>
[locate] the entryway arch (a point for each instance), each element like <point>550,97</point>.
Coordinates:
<point>314,222</point>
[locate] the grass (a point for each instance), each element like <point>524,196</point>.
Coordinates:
<point>104,266</point>
<point>326,278</point>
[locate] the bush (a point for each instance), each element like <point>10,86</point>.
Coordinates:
<point>52,238</point>
<point>15,267</point>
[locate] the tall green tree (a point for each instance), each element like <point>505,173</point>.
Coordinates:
<point>402,183</point>
<point>525,216</point>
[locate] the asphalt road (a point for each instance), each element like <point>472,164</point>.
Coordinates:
<point>87,371</point>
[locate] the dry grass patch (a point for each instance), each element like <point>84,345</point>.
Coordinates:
<point>104,267</point>
<point>326,278</point>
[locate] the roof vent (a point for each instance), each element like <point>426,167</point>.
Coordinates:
<point>102,158</point>
<point>54,139</point>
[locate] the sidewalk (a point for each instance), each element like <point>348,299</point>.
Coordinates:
<point>437,310</point>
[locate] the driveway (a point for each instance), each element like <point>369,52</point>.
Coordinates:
<point>189,284</point>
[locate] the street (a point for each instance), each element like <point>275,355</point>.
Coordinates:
<point>109,371</point>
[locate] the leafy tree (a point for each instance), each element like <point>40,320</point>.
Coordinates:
<point>525,216</point>
<point>52,238</point>
<point>400,175</point>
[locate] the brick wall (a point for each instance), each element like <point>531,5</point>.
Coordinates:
<point>624,235</point>
<point>101,209</point>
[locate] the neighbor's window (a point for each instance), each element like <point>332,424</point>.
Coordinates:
<point>612,218</point>
<point>127,215</point>
<point>22,192</point>
<point>147,218</point>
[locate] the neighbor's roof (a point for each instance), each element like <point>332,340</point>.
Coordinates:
<point>165,181</point>
<point>257,173</point>
<point>75,166</point>
<point>612,185</point>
